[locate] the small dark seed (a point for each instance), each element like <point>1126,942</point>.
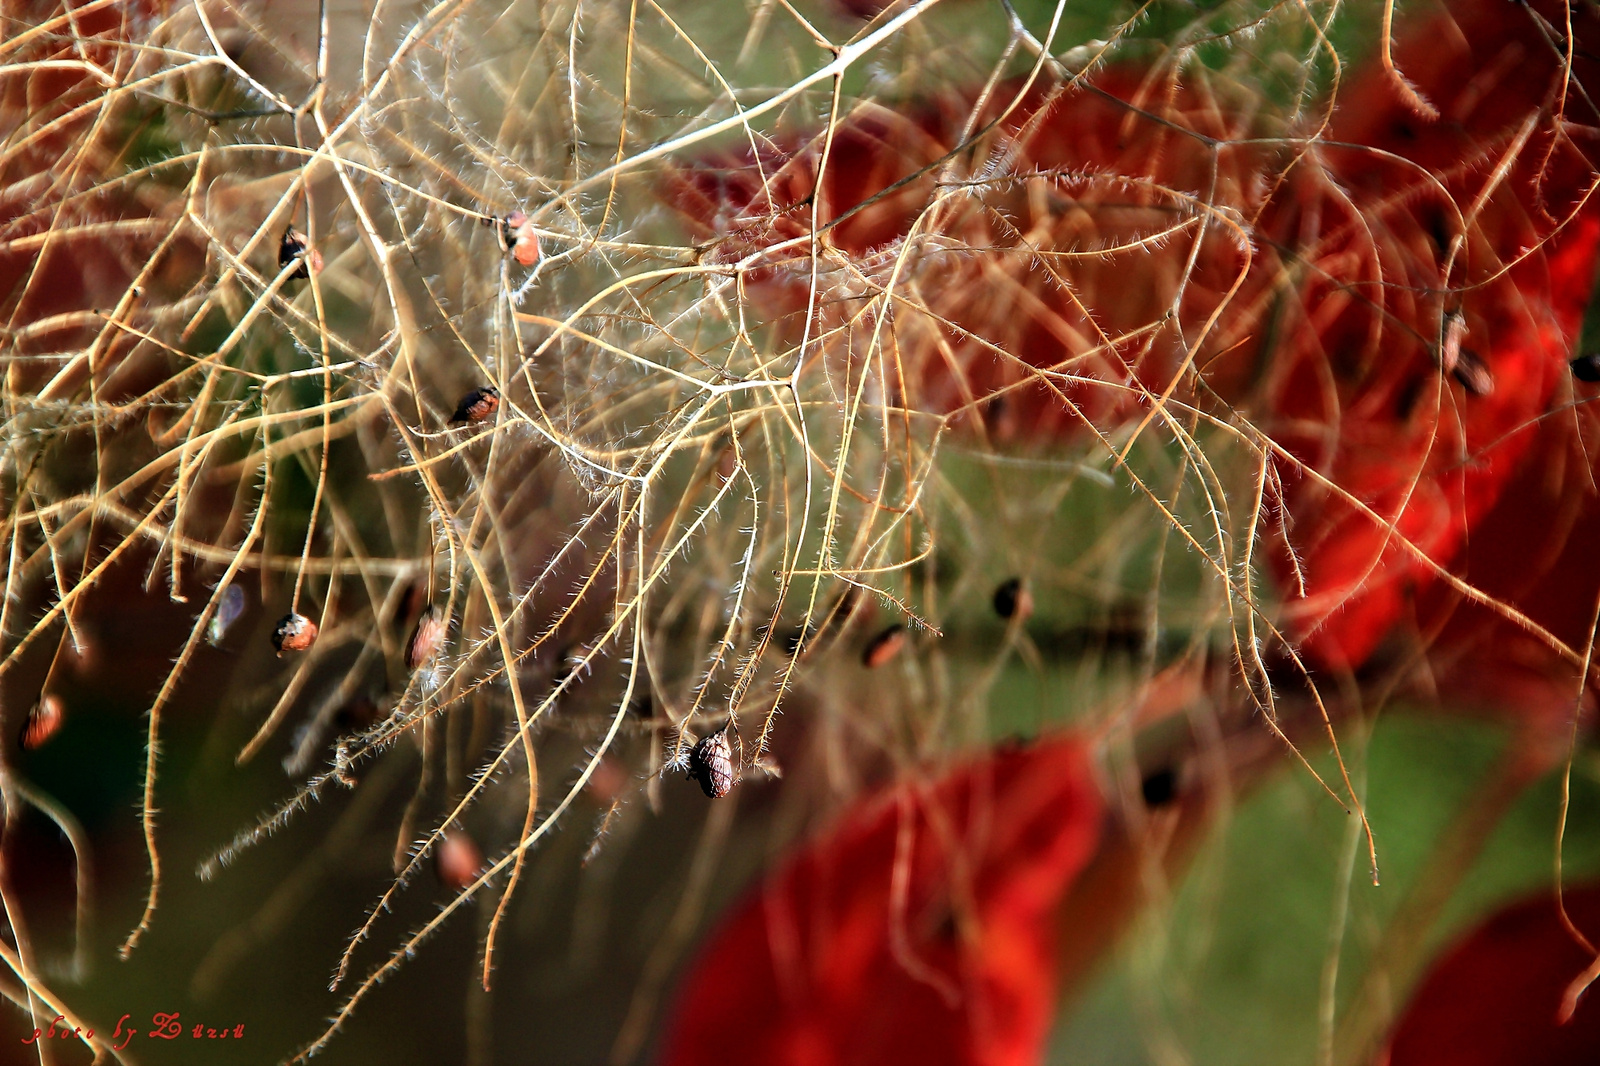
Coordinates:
<point>477,405</point>
<point>292,247</point>
<point>1586,367</point>
<point>508,229</point>
<point>711,764</point>
<point>1012,599</point>
<point>1159,788</point>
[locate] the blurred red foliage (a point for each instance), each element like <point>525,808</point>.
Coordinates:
<point>1493,1000</point>
<point>1491,203</point>
<point>919,929</point>
<point>74,232</point>
<point>1152,232</point>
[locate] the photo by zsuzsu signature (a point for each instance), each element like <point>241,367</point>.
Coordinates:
<point>163,1026</point>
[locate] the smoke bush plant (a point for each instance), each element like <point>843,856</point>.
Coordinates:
<point>1203,325</point>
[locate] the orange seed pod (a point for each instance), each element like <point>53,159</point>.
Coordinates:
<point>883,647</point>
<point>295,632</point>
<point>516,233</point>
<point>44,720</point>
<point>426,639</point>
<point>459,861</point>
<point>711,764</point>
<point>477,405</point>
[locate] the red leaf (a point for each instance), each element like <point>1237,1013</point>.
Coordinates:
<point>1410,443</point>
<point>1493,1000</point>
<point>920,929</point>
<point>1324,328</point>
